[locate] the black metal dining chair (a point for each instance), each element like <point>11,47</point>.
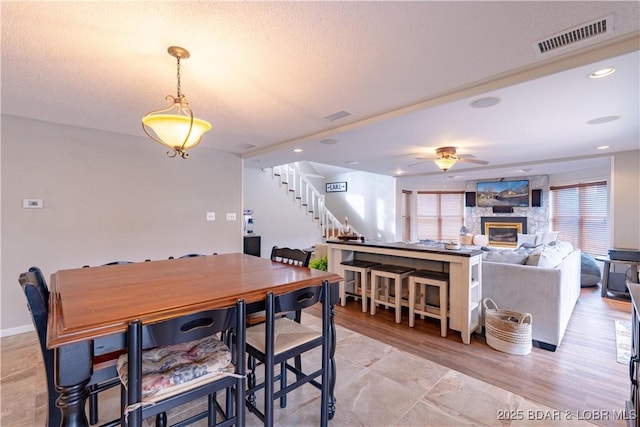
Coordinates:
<point>182,359</point>
<point>280,339</point>
<point>297,257</point>
<point>288,256</point>
<point>104,374</point>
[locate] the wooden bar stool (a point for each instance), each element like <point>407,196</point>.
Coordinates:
<point>423,279</point>
<point>380,293</point>
<point>361,271</point>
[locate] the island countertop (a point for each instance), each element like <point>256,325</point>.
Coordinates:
<point>433,247</point>
<point>464,266</point>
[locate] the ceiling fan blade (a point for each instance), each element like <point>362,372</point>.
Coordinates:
<point>468,160</point>
<point>416,164</point>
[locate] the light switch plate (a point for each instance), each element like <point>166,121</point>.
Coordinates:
<point>231,216</point>
<point>32,203</point>
<point>211,216</point>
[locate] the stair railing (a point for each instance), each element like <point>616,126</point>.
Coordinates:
<point>309,198</point>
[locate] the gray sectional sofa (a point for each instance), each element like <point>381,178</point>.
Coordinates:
<point>545,285</point>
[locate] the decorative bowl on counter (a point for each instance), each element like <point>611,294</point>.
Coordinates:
<point>452,246</point>
<point>347,237</point>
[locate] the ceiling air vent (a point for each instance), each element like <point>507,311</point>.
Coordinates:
<point>337,116</point>
<point>574,35</point>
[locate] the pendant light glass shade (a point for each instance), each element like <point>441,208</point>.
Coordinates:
<point>179,131</point>
<point>176,131</point>
<point>445,163</point>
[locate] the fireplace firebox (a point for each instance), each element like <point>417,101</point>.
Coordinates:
<point>503,231</point>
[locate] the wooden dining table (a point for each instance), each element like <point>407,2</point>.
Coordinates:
<point>96,303</point>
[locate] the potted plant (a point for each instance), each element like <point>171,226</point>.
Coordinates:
<point>319,263</point>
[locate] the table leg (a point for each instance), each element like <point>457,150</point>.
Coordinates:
<point>332,352</point>
<point>605,278</point>
<point>71,403</point>
<point>73,372</point>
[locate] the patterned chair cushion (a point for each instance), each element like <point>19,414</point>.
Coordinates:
<point>288,334</point>
<point>172,369</point>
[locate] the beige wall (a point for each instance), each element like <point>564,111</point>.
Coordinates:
<point>106,197</point>
<point>625,212</point>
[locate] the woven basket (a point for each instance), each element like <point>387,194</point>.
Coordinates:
<point>507,331</point>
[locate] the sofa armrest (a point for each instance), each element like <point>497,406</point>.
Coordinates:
<point>549,294</point>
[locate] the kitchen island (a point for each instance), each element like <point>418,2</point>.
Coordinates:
<point>463,265</point>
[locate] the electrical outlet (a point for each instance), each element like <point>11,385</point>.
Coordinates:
<point>211,216</point>
<point>231,216</point>
<point>32,203</point>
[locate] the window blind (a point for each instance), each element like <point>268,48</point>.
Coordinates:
<point>579,213</point>
<point>440,215</point>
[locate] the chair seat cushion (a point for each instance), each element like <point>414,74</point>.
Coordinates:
<point>394,269</point>
<point>359,263</point>
<point>288,334</point>
<point>170,370</point>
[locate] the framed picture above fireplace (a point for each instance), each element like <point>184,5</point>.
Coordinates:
<point>503,193</point>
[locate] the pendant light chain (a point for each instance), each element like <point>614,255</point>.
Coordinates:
<point>178,75</point>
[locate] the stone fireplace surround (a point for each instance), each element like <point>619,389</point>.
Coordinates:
<point>537,219</point>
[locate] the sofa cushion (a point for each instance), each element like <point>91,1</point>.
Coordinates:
<point>506,256</point>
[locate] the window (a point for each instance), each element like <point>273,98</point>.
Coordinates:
<point>440,215</point>
<point>579,213</point>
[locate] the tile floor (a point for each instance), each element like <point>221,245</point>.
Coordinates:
<point>377,385</point>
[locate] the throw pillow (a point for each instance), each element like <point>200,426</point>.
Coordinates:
<point>526,239</point>
<point>563,247</point>
<point>544,238</point>
<point>545,256</point>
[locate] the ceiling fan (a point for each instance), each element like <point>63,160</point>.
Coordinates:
<point>447,157</point>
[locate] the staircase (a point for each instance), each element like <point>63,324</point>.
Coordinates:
<point>311,201</point>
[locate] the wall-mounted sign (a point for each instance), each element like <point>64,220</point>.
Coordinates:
<point>336,187</point>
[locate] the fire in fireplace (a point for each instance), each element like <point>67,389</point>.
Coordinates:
<point>503,231</point>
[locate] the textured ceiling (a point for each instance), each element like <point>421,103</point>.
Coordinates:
<point>267,73</point>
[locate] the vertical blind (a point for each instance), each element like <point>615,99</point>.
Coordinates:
<point>579,213</point>
<point>440,215</point>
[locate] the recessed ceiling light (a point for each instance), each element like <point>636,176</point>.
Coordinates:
<point>604,72</point>
<point>488,101</point>
<point>523,170</point>
<point>351,162</point>
<point>399,172</point>
<point>603,147</point>
<point>329,141</point>
<point>297,150</point>
<point>604,119</point>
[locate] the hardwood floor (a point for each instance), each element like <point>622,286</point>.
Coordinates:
<point>582,376</point>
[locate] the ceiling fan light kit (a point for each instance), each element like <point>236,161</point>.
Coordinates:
<point>447,157</point>
<point>179,131</point>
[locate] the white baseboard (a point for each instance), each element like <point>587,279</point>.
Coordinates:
<point>15,331</point>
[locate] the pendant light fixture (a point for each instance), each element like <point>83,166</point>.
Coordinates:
<point>177,130</point>
<point>445,163</point>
